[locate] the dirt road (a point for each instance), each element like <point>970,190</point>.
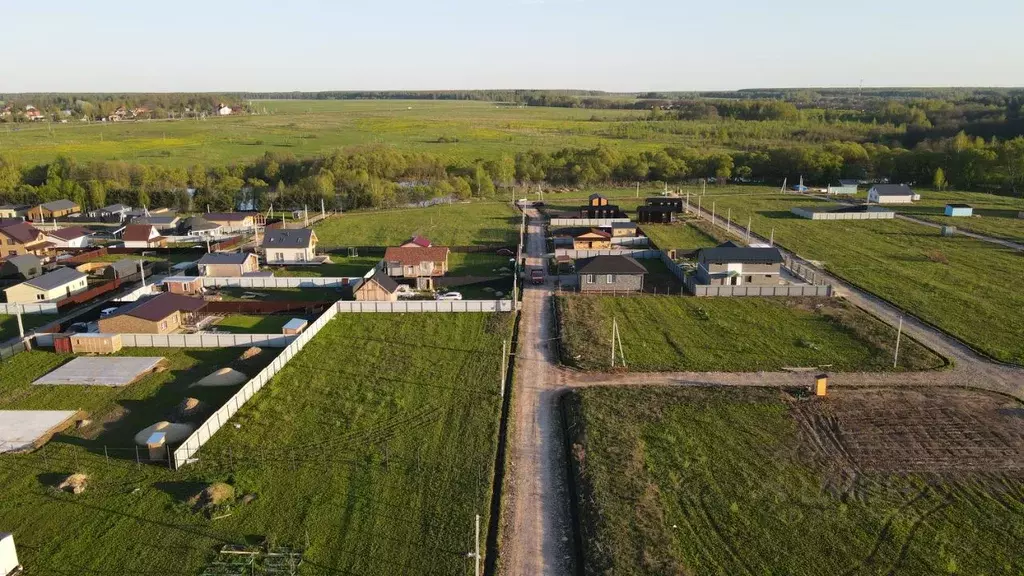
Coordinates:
<point>537,533</point>
<point>537,537</point>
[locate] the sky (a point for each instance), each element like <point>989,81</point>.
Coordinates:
<point>613,45</point>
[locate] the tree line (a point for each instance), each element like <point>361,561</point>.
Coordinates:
<point>382,176</point>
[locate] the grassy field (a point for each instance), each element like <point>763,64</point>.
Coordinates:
<point>993,215</point>
<point>283,294</point>
<point>9,323</point>
<point>680,236</point>
<point>374,446</point>
<point>305,128</point>
<point>958,284</point>
<point>731,334</point>
<point>249,324</point>
<point>465,224</point>
<point>727,481</point>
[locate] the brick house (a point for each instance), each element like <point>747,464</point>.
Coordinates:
<point>22,238</point>
<point>162,314</point>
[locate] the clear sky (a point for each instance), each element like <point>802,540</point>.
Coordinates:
<point>618,45</point>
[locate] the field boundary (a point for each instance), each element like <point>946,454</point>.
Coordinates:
<point>41,308</point>
<point>270,282</point>
<point>219,340</point>
<point>188,449</point>
<point>444,306</point>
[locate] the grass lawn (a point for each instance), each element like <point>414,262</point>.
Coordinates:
<point>479,264</point>
<point>249,324</point>
<point>340,267</point>
<point>286,294</point>
<point>172,258</point>
<point>993,215</point>
<point>680,236</point>
<point>727,481</point>
<point>676,333</point>
<point>376,447</point>
<point>962,285</point>
<point>464,224</point>
<point>9,323</point>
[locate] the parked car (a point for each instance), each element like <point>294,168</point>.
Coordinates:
<point>107,312</point>
<point>404,289</point>
<point>537,276</point>
<point>448,296</point>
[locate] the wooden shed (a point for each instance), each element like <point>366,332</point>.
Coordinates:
<point>86,343</point>
<point>294,326</point>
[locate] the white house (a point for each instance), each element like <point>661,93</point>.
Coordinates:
<point>891,194</point>
<point>73,237</point>
<point>294,246</point>
<point>844,187</point>
<point>56,285</point>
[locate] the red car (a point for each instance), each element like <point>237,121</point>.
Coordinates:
<point>537,276</point>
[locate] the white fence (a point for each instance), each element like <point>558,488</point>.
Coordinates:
<point>833,215</point>
<point>207,429</point>
<point>42,308</point>
<point>275,282</point>
<point>192,340</point>
<point>401,306</point>
<point>647,253</point>
<point>586,221</point>
<point>629,240</point>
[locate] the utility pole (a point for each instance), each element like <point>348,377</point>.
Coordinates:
<point>615,327</point>
<point>142,272</point>
<point>728,221</point>
<point>687,201</point>
<point>21,327</point>
<point>749,218</point>
<point>637,188</point>
<point>504,365</point>
<point>771,239</point>
<point>899,332</point>
<point>476,554</point>
<point>698,206</point>
<point>704,187</point>
<point>713,212</point>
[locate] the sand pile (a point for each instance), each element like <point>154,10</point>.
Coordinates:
<point>223,377</point>
<point>251,352</point>
<point>212,496</point>
<point>189,406</point>
<point>75,483</point>
<point>173,432</point>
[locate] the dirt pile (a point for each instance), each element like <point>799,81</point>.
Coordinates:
<point>223,377</point>
<point>213,496</point>
<point>251,352</point>
<point>74,483</point>
<point>189,406</point>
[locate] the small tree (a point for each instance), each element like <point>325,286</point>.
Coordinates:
<point>939,181</point>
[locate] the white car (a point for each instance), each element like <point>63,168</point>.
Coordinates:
<point>107,312</point>
<point>448,296</point>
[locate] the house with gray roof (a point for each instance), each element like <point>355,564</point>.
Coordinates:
<point>24,267</point>
<point>228,264</point>
<point>292,246</point>
<point>891,194</point>
<point>56,285</point>
<point>730,264</point>
<point>613,273</point>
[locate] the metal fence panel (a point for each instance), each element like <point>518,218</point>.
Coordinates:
<point>635,253</point>
<point>41,308</point>
<point>586,221</point>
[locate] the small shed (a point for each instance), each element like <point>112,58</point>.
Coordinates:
<point>959,210</point>
<point>294,326</point>
<point>88,343</point>
<point>156,444</point>
<point>187,285</point>
<point>120,269</point>
<point>597,200</point>
<point>655,214</point>
<point>8,554</point>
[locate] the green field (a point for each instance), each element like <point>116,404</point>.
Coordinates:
<point>680,236</point>
<point>959,284</point>
<point>993,215</point>
<point>464,224</point>
<point>728,481</point>
<point>250,324</point>
<point>372,446</point>
<point>9,323</point>
<point>672,333</point>
<point>305,128</point>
